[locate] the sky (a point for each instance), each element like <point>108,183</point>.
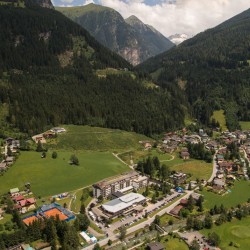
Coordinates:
<point>172,16</point>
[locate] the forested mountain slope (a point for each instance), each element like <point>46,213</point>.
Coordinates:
<point>212,68</point>
<point>130,38</point>
<point>48,77</point>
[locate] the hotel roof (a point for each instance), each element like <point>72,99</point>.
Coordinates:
<point>123,202</point>
<point>112,180</point>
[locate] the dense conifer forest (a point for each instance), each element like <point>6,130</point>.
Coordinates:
<point>212,69</point>
<point>48,77</point>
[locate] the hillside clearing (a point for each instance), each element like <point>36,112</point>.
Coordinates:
<point>245,125</point>
<point>219,116</point>
<point>97,139</point>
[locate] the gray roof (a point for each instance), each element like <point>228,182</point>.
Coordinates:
<point>155,246</point>
<point>123,202</point>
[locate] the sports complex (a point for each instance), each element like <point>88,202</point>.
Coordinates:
<point>47,211</point>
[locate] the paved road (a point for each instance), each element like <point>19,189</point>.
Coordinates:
<point>114,237</point>
<point>214,167</point>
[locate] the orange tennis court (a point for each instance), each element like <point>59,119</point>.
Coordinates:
<point>30,220</point>
<point>54,212</point>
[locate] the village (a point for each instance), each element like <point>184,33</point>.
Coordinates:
<point>120,205</point>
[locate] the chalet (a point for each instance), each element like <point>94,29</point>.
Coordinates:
<point>218,183</point>
<point>9,160</point>
<point>16,199</point>
<point>178,178</point>
<point>48,134</point>
<point>37,138</point>
<point>220,157</point>
<point>196,196</point>
<point>185,155</point>
<point>225,165</point>
<point>25,205</point>
<point>14,192</point>
<point>147,146</point>
<point>3,166</point>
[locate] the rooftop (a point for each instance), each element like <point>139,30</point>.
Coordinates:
<point>120,177</point>
<point>123,202</point>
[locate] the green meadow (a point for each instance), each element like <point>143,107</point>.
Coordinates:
<point>236,231</point>
<point>245,125</point>
<point>52,176</point>
<point>97,139</point>
<point>220,117</point>
<point>240,193</point>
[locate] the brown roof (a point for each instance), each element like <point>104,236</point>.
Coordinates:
<point>183,201</point>
<point>176,210</point>
<point>155,246</point>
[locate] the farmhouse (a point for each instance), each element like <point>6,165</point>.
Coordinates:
<point>123,205</point>
<point>130,180</point>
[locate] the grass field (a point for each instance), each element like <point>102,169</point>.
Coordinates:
<point>240,194</point>
<point>198,169</point>
<point>97,139</point>
<point>53,176</point>
<point>236,231</point>
<point>142,154</point>
<point>220,117</point>
<point>174,243</point>
<point>245,125</point>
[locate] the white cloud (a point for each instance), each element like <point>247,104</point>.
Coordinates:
<point>67,2</point>
<point>186,16</point>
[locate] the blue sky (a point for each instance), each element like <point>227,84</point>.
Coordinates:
<point>172,16</point>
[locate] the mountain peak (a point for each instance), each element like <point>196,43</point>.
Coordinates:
<point>132,20</point>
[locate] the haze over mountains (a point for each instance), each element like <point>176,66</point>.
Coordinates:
<point>213,70</point>
<point>131,38</point>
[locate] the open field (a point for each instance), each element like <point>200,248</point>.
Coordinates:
<point>97,139</point>
<point>53,176</point>
<point>139,155</point>
<point>198,169</point>
<point>240,194</point>
<point>245,125</point>
<point>220,117</point>
<point>237,231</point>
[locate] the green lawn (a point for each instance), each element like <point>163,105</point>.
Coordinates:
<point>245,125</point>
<point>220,117</point>
<point>240,194</point>
<point>52,176</point>
<point>236,231</point>
<point>97,139</point>
<point>198,169</point>
<point>139,155</point>
<point>174,243</point>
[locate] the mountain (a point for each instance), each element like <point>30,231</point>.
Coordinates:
<point>52,71</point>
<point>212,69</point>
<point>130,38</point>
<point>178,38</point>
